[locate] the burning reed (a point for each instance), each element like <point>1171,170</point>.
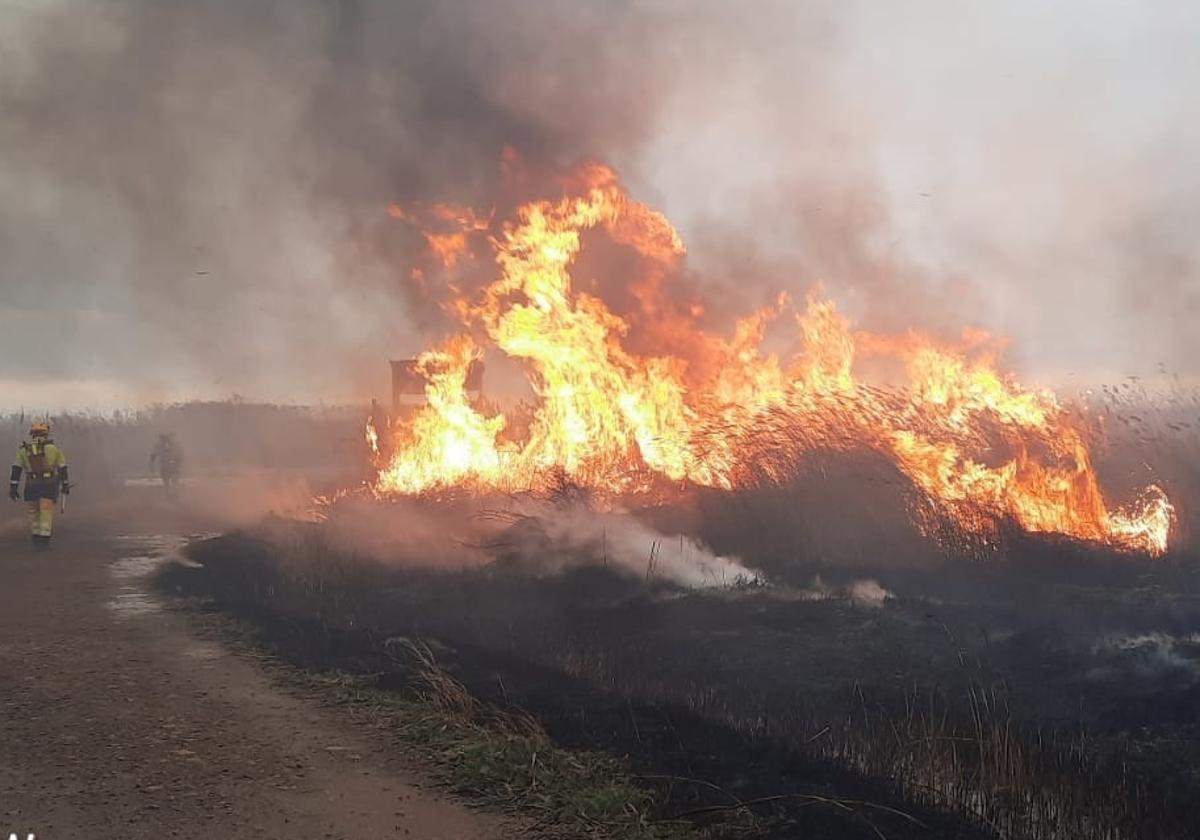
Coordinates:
<point>634,391</point>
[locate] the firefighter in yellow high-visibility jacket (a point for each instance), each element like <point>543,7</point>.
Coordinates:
<point>45,469</point>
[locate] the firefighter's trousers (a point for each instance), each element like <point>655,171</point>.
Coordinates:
<point>41,517</point>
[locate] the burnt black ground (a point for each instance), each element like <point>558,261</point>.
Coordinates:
<point>695,763</point>
<point>725,687</point>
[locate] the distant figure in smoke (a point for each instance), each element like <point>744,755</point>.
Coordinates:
<point>45,469</point>
<point>169,458</point>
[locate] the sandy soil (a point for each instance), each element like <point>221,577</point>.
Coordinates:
<point>117,721</point>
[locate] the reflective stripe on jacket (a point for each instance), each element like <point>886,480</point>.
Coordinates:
<point>41,461</point>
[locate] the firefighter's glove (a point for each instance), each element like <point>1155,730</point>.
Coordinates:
<point>66,489</point>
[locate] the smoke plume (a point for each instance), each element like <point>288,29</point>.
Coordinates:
<point>535,535</point>
<point>193,195</point>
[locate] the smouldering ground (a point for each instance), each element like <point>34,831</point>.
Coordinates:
<point>1052,690</point>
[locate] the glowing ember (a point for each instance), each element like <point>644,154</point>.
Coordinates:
<point>703,408</point>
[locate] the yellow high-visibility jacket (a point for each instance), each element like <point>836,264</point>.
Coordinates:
<point>45,468</point>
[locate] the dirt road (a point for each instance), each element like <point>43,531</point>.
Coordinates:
<point>116,721</point>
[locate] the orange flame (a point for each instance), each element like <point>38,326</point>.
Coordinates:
<point>967,435</point>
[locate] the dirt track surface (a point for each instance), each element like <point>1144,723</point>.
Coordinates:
<point>117,721</point>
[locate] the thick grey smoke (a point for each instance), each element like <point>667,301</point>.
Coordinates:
<point>1025,166</point>
<point>192,194</point>
<point>539,536</point>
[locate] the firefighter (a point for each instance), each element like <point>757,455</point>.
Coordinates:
<point>45,469</point>
<point>169,457</point>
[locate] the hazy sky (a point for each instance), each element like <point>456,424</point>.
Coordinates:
<point>192,194</point>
